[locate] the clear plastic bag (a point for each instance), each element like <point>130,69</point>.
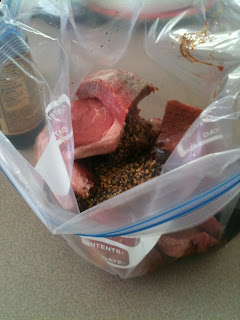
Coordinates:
<point>190,54</point>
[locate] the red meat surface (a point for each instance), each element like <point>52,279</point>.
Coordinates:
<point>81,180</point>
<point>177,119</point>
<point>185,242</point>
<point>105,100</point>
<point>212,227</point>
<point>90,112</point>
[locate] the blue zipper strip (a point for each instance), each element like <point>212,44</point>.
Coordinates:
<point>6,33</point>
<point>176,216</point>
<point>182,205</point>
<point>122,231</point>
<point>119,232</point>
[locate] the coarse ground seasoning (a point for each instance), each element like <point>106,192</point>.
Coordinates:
<point>134,162</point>
<point>114,179</point>
<point>138,137</point>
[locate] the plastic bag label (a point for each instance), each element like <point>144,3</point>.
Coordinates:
<point>57,113</point>
<point>52,168</point>
<point>120,255</point>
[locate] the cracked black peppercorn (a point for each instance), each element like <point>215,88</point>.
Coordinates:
<point>133,163</point>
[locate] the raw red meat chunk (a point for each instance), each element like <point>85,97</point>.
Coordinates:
<point>212,227</point>
<point>90,121</point>
<point>185,242</point>
<point>105,100</point>
<point>177,119</point>
<point>81,180</point>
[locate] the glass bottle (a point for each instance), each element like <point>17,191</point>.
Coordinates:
<point>21,105</point>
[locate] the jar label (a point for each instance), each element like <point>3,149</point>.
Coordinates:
<point>20,100</point>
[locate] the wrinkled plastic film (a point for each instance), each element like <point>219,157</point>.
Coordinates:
<point>192,56</point>
<point>214,118</point>
<point>199,49</point>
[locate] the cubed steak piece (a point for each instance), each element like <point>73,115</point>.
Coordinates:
<point>183,243</point>
<point>106,98</point>
<point>212,227</point>
<point>177,119</point>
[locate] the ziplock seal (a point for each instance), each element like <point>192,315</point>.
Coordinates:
<point>6,33</point>
<point>120,232</point>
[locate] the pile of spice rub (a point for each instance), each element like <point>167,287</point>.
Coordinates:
<point>115,148</point>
